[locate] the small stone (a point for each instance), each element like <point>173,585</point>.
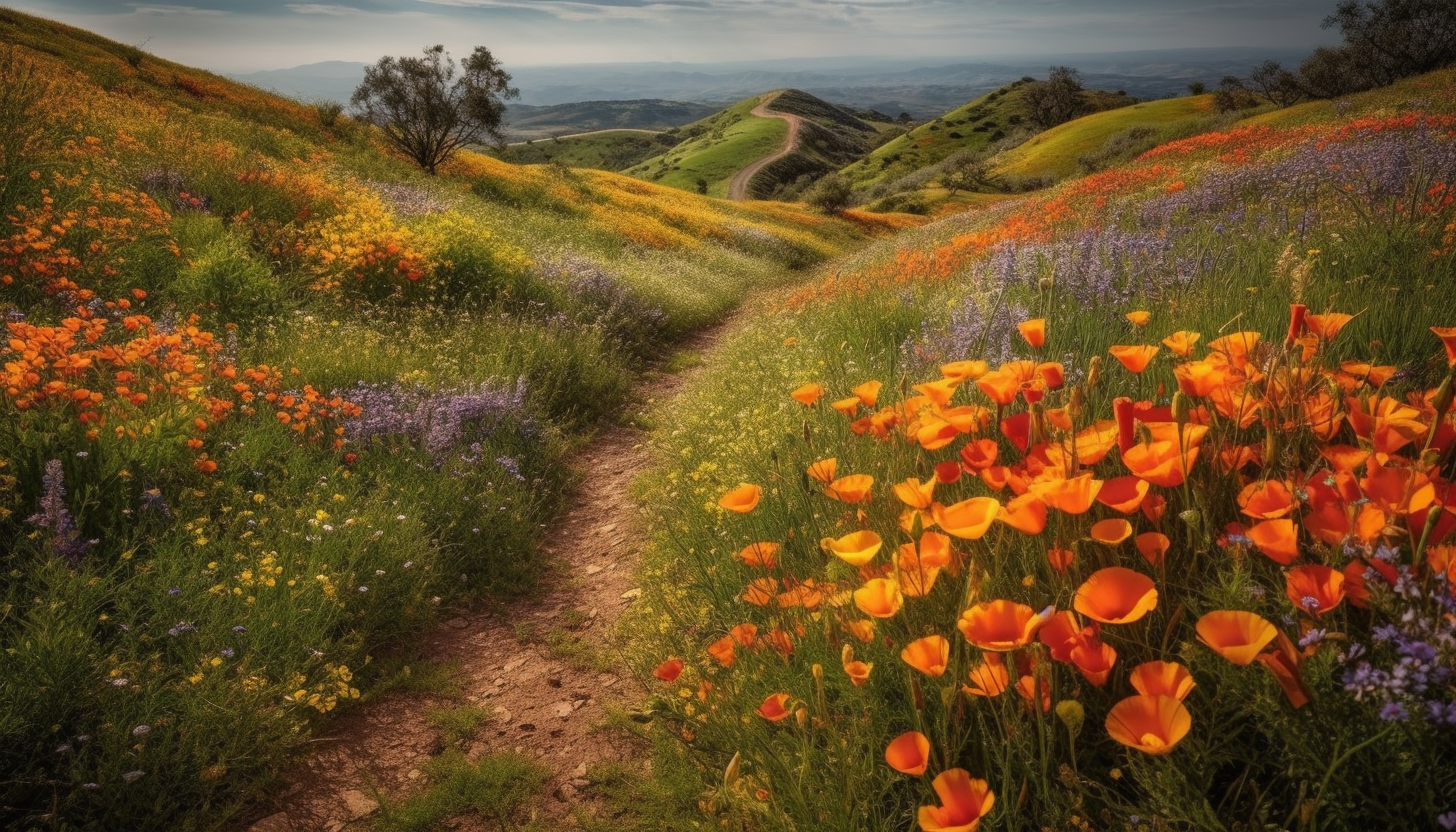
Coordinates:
<point>579,771</point>
<point>563,709</point>
<point>593,613</point>
<point>631,594</point>
<point>457,623</point>
<point>512,665</point>
<point>273,823</point>
<point>593,569</point>
<point>527,726</point>
<point>608,683</point>
<point>566,793</point>
<point>502,714</point>
<point>610,527</point>
<point>580,782</point>
<point>476,751</point>
<point>414,774</point>
<point>554,681</point>
<point>359,804</point>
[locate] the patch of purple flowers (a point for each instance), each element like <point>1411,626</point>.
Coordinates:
<point>1408,665</point>
<point>54,516</point>
<point>436,421</point>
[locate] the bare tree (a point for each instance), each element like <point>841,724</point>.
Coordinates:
<point>426,111</point>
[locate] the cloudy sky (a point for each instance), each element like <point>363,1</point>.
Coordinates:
<point>244,35</point>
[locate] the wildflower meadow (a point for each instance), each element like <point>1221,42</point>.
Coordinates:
<point>1122,506</point>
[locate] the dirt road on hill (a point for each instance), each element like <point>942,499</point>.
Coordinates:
<point>524,663</point>
<point>738,186</point>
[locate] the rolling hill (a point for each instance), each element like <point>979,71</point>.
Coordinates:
<point>716,148</point>
<point>599,149</point>
<point>525,122</point>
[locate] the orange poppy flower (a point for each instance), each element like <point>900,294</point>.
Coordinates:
<point>909,753</point>
<point>1052,374</point>
<point>861,628</point>
<point>761,592</point>
<point>1160,462</point>
<point>869,393</point>
<point>858,672</point>
<point>1162,679</point>
<point>989,678</point>
<point>1034,331</point>
<point>775,708</point>
<point>1235,344</point>
<point>968,519</point>
<point>914,493</point>
<point>1001,625</point>
<point>1284,663</point>
<point>1314,589</point>
<point>880,598</point>
<point>1116,595</point>
<point>1027,514</point>
<point>1027,686</point>
<point>1123,494</point>
<point>780,641</point>
<point>1151,724</point>
<point>745,634</point>
<point>939,391</point>
<point>724,650</point>
<point>1134,358</point>
<point>934,550</point>
<point>1276,539</point>
<point>808,394</point>
<point>965,800</point>
<point>1000,387</point>
<point>1344,457</point>
<point>1140,317</point>
<point>1447,334</point>
<point>948,472</point>
<point>1266,500</point>
<point>1070,496</point>
<point>1200,378</point>
<point>1111,532</point>
<point>1297,314</point>
<point>765,555</point>
<point>854,488</point>
<point>669,670</point>
<point>742,499</point>
<point>823,470</point>
<point>1061,633</point>
<point>1094,660</point>
<point>964,370</point>
<point>1234,634</point>
<point>856,548</point>
<point>1060,559</point>
<point>1181,342</point>
<point>1328,325</point>
<point>929,655</point>
<point>1153,546</point>
<point>848,407</point>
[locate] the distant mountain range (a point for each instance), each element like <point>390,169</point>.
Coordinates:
<point>923,88</point>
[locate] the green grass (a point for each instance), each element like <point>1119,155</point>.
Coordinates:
<point>602,149</point>
<point>1055,154</point>
<point>728,142</point>
<point>494,789</point>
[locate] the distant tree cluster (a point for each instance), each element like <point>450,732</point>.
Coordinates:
<point>1384,41</point>
<point>1056,100</point>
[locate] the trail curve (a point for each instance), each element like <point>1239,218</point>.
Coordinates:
<point>738,186</point>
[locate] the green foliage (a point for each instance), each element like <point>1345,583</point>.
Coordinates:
<point>493,789</point>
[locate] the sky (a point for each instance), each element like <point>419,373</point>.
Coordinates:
<point>247,35</point>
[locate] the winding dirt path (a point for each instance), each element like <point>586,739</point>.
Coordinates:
<point>528,663</point>
<point>738,185</point>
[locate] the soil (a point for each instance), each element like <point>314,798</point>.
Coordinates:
<point>544,705</point>
<point>738,186</point>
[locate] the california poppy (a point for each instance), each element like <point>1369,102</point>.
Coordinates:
<point>1111,532</point>
<point>764,555</point>
<point>1266,499</point>
<point>1135,358</point>
<point>1123,494</point>
<point>724,650</point>
<point>929,655</point>
<point>808,394</point>
<point>1297,314</point>
<point>1236,635</point>
<point>869,393</point>
<point>761,592</point>
<point>1181,342</point>
<point>989,678</point>
<point>854,488</point>
<point>968,519</point>
<point>1073,495</point>
<point>1094,660</point>
<point>948,472</point>
<point>774,708</point>
<point>1276,539</point>
<point>1447,335</point>
<point>1061,633</point>
<point>909,753</point>
<point>856,548</point>
<point>964,370</point>
<point>1027,514</point>
<point>965,800</point>
<point>1151,724</point>
<point>914,493</point>
<point>1313,588</point>
<point>939,391</point>
<point>669,670</point>
<point>823,470</point>
<point>980,454</point>
<point>1328,325</point>
<point>858,671</point>
<point>1139,318</point>
<point>1000,387</point>
<point>1060,559</point>
<point>1162,679</point>
<point>742,499</point>
<point>879,597</point>
<point>1000,625</point>
<point>1235,345</point>
<point>848,406</point>
<point>1034,331</point>
<point>1153,546</point>
<point>1116,595</point>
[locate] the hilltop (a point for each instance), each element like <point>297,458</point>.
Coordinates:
<point>525,122</point>
<point>714,149</point>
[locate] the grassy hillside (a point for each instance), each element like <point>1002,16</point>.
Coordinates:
<point>716,148</point>
<point>274,400</point>
<point>527,122</point>
<point>1122,505</point>
<point>1102,139</point>
<point>603,150</point>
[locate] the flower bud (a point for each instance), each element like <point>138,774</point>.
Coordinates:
<point>801,716</point>
<point>1072,714</point>
<point>730,774</point>
<point>1191,518</point>
<point>818,671</point>
<point>1094,372</point>
<point>1180,408</point>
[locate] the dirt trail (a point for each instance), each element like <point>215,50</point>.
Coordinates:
<point>543,705</point>
<point>738,186</point>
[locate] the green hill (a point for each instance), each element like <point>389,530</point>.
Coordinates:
<point>1101,139</point>
<point>717,147</point>
<point>529,122</point>
<point>600,149</point>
